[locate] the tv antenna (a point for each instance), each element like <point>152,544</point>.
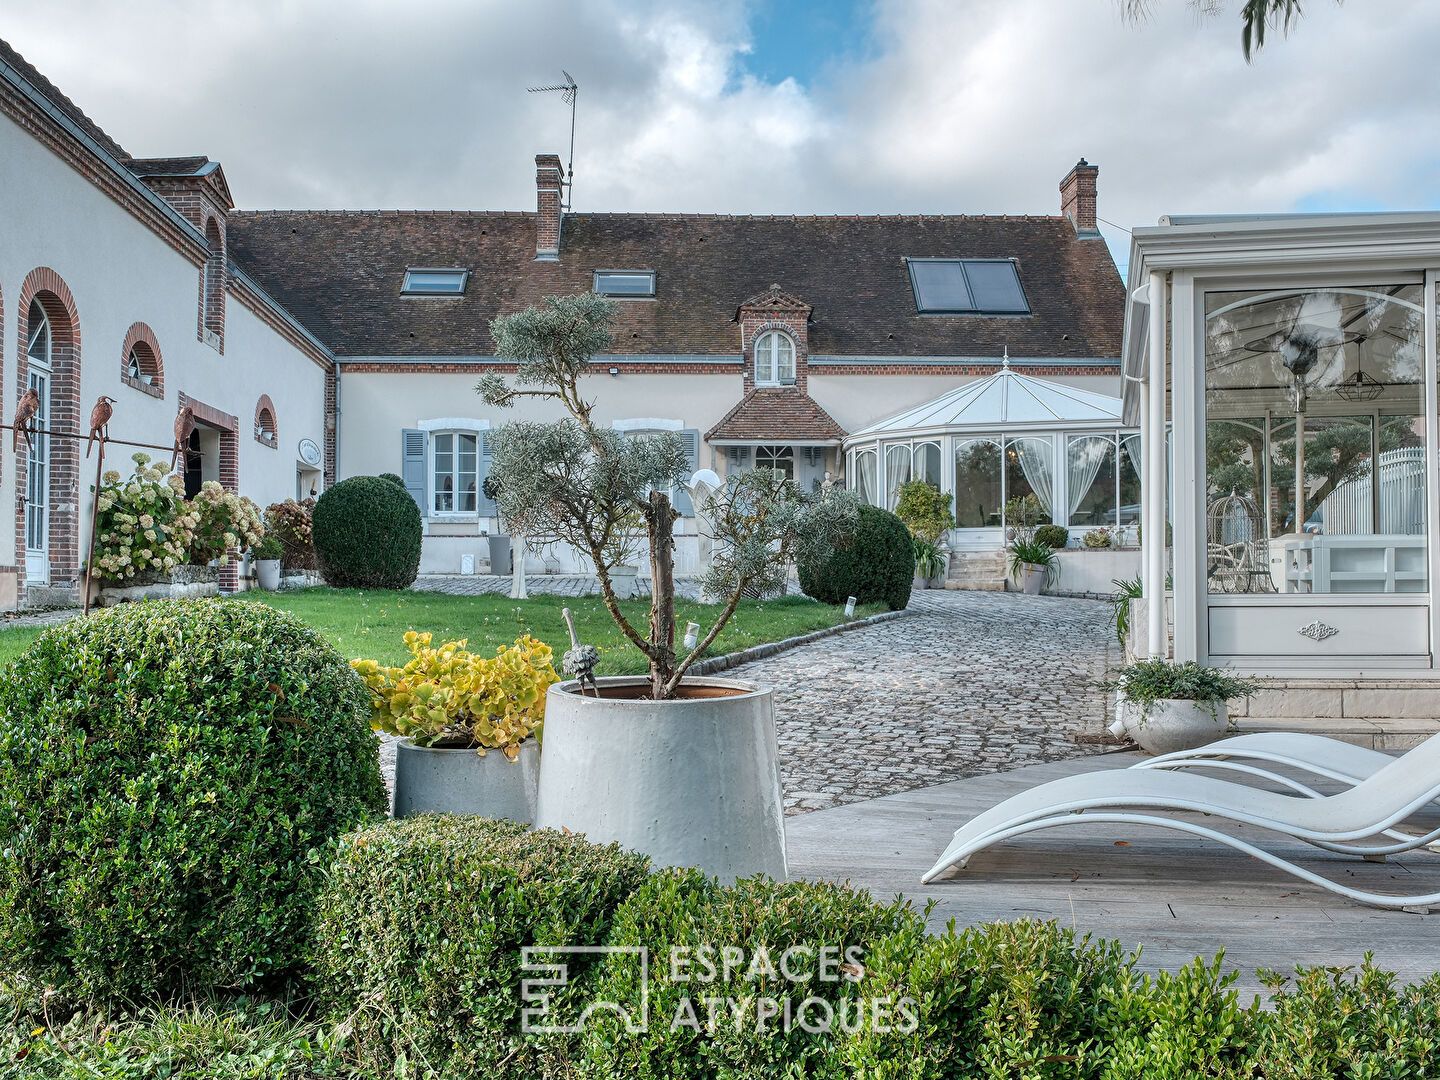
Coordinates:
<point>568,91</point>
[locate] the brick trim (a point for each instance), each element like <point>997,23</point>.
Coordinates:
<point>141,334</point>
<point>331,423</point>
<point>266,313</point>
<point>213,286</point>
<point>263,407</point>
<point>229,428</point>
<point>49,289</point>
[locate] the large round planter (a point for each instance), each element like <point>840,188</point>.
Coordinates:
<point>1172,724</point>
<point>267,573</point>
<point>430,780</point>
<point>622,580</point>
<point>693,781</point>
<point>920,582</point>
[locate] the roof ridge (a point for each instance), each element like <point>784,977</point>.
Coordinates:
<point>57,97</point>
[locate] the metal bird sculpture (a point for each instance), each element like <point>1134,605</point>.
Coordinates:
<point>100,421</point>
<point>29,406</point>
<point>184,428</point>
<point>579,660</point>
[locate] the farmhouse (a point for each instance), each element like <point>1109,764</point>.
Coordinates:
<point>318,345</point>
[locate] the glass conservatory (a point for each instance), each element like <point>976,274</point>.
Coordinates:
<point>1005,436</point>
<point>1295,357</point>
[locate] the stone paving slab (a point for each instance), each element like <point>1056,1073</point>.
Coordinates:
<point>537,585</point>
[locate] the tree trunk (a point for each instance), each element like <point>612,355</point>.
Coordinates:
<point>661,518</point>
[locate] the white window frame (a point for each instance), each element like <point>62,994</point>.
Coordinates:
<point>432,491</point>
<point>776,452</point>
<point>406,289</point>
<point>776,377</point>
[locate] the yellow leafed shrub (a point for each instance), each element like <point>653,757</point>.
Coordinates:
<point>450,696</point>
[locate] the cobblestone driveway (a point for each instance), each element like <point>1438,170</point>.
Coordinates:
<point>965,683</point>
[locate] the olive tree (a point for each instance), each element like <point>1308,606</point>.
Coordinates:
<point>608,494</point>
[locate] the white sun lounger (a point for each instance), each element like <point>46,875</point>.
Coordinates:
<point>1140,797</point>
<point>1316,754</point>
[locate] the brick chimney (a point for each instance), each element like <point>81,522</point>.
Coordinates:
<point>1077,198</point>
<point>548,178</point>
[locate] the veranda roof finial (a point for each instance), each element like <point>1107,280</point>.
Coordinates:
<point>1005,360</point>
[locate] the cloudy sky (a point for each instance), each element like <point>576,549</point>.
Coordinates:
<point>933,106</point>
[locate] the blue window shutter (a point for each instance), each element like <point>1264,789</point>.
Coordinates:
<point>412,465</point>
<point>691,439</point>
<point>482,471</point>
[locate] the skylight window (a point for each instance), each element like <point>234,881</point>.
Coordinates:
<point>430,282</point>
<point>631,284</point>
<point>967,287</point>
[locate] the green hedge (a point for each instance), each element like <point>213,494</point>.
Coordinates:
<point>421,931</point>
<point>687,922</point>
<point>1053,536</point>
<point>170,774</point>
<point>367,535</point>
<point>877,566</point>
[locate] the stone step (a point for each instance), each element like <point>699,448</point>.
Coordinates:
<point>1373,734</point>
<point>978,571</point>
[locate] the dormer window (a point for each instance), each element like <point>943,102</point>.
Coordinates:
<point>432,282</point>
<point>626,284</point>
<point>967,287</point>
<point>774,359</point>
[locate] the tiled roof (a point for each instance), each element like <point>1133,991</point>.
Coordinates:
<point>340,273</point>
<point>52,93</point>
<point>168,166</point>
<point>783,412</point>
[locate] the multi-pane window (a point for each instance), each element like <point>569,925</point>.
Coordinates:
<point>779,458</point>
<point>774,359</point>
<point>967,287</point>
<point>455,472</point>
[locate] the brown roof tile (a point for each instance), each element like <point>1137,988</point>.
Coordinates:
<point>340,273</point>
<point>785,413</point>
<point>52,94</point>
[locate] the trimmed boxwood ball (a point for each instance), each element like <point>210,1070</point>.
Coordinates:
<point>367,535</point>
<point>394,478</point>
<point>877,566</point>
<point>421,931</point>
<point>170,776</point>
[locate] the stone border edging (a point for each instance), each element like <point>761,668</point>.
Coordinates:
<point>774,648</point>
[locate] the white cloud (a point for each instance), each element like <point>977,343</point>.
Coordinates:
<point>976,106</point>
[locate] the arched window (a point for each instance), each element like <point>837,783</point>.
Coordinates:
<point>774,359</point>
<point>38,353</point>
<point>141,365</point>
<point>265,427</point>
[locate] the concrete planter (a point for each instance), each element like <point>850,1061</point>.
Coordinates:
<point>622,580</point>
<point>1172,724</point>
<point>1032,578</point>
<point>184,582</point>
<point>690,782</point>
<point>920,582</point>
<point>430,780</point>
<point>267,573</point>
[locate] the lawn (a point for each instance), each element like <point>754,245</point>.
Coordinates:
<point>372,624</point>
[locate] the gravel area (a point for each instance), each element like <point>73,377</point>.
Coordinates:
<point>965,683</point>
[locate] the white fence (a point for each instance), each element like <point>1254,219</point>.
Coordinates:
<point>1349,509</point>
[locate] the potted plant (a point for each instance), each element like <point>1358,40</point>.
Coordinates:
<point>1167,706</point>
<point>1032,564</point>
<point>926,512</point>
<point>451,707</point>
<point>267,555</point>
<point>683,769</point>
<point>1098,538</point>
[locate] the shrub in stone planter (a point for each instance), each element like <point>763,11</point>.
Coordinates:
<point>420,932</point>
<point>168,773</point>
<point>367,535</point>
<point>1054,536</point>
<point>143,525</point>
<point>876,563</point>
<point>224,522</point>
<point>290,523</point>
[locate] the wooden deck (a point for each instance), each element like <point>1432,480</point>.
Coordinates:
<point>1175,895</point>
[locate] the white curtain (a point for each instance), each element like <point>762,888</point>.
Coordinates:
<point>897,472</point>
<point>865,477</point>
<point>1037,462</point>
<point>927,462</point>
<point>1131,443</point>
<point>1086,455</point>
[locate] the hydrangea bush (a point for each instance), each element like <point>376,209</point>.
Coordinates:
<point>224,522</point>
<point>144,524</point>
<point>290,523</point>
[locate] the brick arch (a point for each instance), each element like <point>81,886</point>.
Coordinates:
<point>147,348</point>
<point>266,408</point>
<point>45,286</point>
<point>212,282</point>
